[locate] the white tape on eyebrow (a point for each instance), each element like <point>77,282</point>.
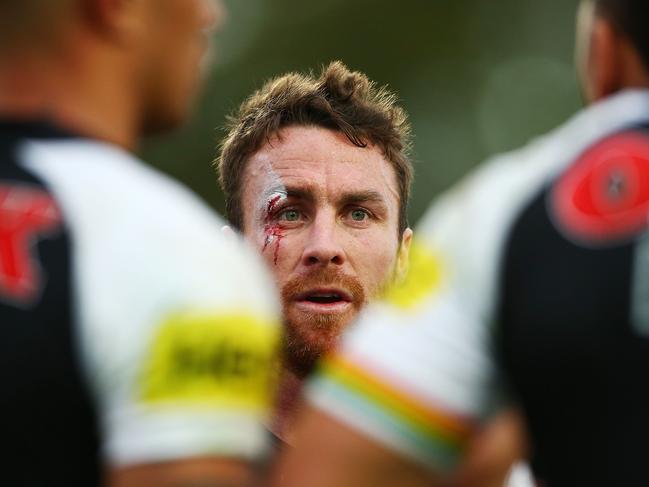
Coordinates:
<point>275,198</point>
<point>274,190</point>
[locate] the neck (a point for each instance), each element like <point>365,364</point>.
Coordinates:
<point>287,406</point>
<point>78,88</point>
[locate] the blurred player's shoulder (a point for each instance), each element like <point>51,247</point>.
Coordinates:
<point>143,239</point>
<point>503,183</point>
<point>156,285</point>
<point>469,224</point>
<point>116,187</point>
<point>495,189</point>
<point>102,187</point>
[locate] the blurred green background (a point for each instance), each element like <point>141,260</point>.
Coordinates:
<point>476,76</point>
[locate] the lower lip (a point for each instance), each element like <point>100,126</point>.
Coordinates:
<point>323,308</point>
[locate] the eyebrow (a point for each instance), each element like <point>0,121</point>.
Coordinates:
<point>368,196</point>
<point>300,193</point>
<point>350,198</point>
<point>305,193</point>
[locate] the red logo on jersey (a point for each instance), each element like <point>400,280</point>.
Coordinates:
<point>25,214</point>
<point>604,196</point>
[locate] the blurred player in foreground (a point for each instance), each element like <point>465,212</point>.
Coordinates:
<point>536,284</point>
<point>136,343</point>
<point>317,176</point>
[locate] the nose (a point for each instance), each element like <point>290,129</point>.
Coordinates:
<point>323,246</point>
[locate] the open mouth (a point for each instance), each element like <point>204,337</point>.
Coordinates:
<point>325,297</point>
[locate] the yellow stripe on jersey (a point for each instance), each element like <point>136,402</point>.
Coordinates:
<point>225,361</point>
<point>422,281</point>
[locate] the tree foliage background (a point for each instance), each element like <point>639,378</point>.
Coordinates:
<point>476,76</point>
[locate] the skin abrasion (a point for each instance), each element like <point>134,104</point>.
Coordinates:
<point>273,232</point>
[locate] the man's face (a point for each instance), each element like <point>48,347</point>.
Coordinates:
<point>324,214</point>
<point>173,62</point>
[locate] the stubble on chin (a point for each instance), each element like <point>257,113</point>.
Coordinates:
<point>310,335</point>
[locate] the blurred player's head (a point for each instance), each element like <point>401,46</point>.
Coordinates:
<point>141,56</point>
<point>173,58</point>
<point>316,174</point>
<point>612,46</point>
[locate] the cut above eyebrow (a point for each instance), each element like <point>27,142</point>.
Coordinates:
<point>274,190</point>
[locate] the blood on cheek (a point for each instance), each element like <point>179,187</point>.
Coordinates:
<point>273,232</point>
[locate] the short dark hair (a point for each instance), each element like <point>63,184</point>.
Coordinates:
<point>631,17</point>
<point>337,99</point>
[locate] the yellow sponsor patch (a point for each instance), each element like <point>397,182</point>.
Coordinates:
<point>216,361</point>
<point>422,280</point>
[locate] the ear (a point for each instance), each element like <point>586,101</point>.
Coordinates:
<point>119,20</point>
<point>403,256</point>
<point>605,69</point>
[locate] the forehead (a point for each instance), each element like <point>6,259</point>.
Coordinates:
<point>321,160</point>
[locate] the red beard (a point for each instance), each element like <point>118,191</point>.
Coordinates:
<point>309,335</point>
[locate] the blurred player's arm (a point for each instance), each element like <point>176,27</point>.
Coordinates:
<point>405,400</point>
<point>330,453</point>
<point>402,400</point>
<point>199,472</point>
<point>497,447</point>
<point>198,418</point>
<point>183,366</point>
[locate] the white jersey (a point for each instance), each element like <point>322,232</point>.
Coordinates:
<point>424,367</point>
<point>174,328</point>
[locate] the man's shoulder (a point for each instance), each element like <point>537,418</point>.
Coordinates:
<point>497,187</point>
<point>503,183</point>
<point>468,226</point>
<point>125,216</point>
<point>143,243</point>
<point>104,184</point>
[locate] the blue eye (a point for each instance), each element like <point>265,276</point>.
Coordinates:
<point>359,215</point>
<point>289,215</point>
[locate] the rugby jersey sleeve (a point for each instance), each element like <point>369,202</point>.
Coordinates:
<point>178,327</point>
<point>415,373</point>
<point>197,379</point>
